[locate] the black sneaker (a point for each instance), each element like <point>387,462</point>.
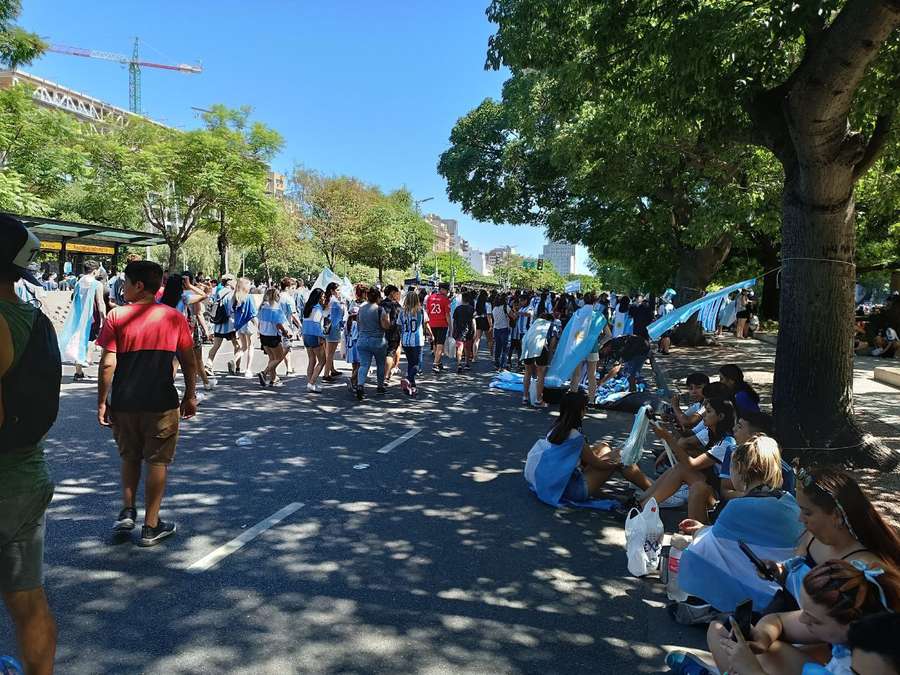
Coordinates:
<point>459,370</point>
<point>436,370</point>
<point>360,393</point>
<point>381,390</point>
<point>125,521</point>
<point>151,536</point>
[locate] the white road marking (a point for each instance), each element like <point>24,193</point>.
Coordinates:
<point>397,441</point>
<point>465,398</point>
<point>238,542</point>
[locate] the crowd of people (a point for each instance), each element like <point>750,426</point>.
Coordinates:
<point>824,581</point>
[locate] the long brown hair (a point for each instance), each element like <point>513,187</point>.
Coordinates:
<point>831,487</point>
<point>848,593</point>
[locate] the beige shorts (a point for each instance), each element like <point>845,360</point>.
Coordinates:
<point>146,436</point>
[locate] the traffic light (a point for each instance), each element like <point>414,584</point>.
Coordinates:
<point>540,263</point>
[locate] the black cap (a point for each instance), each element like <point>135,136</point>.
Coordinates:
<point>18,248</point>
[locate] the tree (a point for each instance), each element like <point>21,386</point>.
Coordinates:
<point>18,47</point>
<point>332,211</point>
<point>393,235</point>
<point>242,193</point>
<point>513,274</point>
<point>450,266</point>
<point>814,83</point>
<point>601,170</point>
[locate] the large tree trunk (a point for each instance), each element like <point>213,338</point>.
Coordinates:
<point>768,256</point>
<point>696,269</point>
<point>222,245</point>
<point>822,159</point>
<point>813,396</point>
<point>173,256</point>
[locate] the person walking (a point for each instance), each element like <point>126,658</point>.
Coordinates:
<point>391,305</point>
<point>483,319</point>
<point>274,331</point>
<point>245,326</point>
<point>373,322</point>
<point>335,309</point>
<point>223,319</point>
<point>413,322</point>
<point>84,320</point>
<point>438,307</point>
<point>314,339</point>
<point>136,393</point>
<point>288,303</point>
<point>30,376</point>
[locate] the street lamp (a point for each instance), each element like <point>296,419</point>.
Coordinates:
<point>422,201</point>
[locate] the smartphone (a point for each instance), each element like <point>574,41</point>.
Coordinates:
<point>743,616</point>
<point>757,563</point>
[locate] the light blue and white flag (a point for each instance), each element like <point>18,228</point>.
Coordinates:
<point>577,339</point>
<point>573,286</point>
<point>715,569</point>
<point>709,315</point>
<point>549,467</point>
<point>683,313</point>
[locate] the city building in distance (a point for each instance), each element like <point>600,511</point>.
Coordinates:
<point>497,256</point>
<point>446,235</point>
<point>560,254</point>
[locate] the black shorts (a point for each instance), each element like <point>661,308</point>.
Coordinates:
<point>481,323</point>
<point>440,335</point>
<point>542,360</point>
<point>393,346</point>
<point>463,335</point>
<point>226,336</point>
<point>745,314</point>
<point>270,340</point>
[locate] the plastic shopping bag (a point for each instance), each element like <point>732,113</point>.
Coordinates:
<point>643,539</point>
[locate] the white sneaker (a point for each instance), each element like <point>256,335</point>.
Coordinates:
<point>313,388</point>
<point>249,375</point>
<point>200,397</point>
<point>677,500</point>
<point>210,384</point>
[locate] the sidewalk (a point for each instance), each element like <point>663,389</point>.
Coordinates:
<point>877,405</point>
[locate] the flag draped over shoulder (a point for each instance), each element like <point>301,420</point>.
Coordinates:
<point>683,313</point>
<point>714,568</point>
<point>577,339</point>
<point>549,467</point>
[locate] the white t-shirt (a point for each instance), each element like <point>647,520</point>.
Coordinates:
<point>501,318</point>
<point>701,432</point>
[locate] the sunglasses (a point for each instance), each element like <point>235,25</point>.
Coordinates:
<point>808,481</point>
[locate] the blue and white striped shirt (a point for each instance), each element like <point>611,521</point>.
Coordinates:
<point>412,328</point>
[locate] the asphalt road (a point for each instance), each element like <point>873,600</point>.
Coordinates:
<point>430,556</point>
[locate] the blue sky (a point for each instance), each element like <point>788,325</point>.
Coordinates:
<point>369,89</point>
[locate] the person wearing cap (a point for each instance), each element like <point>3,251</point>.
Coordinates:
<point>85,318</point>
<point>30,374</point>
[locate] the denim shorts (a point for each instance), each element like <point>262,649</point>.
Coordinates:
<point>22,540</point>
<point>312,341</point>
<point>577,488</point>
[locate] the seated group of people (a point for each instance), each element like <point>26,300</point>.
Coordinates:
<point>825,578</point>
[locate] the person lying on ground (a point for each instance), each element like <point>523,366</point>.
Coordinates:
<point>763,516</point>
<point>835,594</point>
<point>841,524</point>
<point>623,356</point>
<point>567,467</point>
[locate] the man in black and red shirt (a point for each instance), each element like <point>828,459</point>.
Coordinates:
<point>438,307</point>
<point>136,392</point>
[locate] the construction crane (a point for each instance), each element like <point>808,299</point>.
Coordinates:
<point>134,68</point>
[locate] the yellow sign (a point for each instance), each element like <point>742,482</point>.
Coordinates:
<point>77,248</point>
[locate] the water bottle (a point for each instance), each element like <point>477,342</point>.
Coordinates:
<point>673,590</point>
<point>683,663</point>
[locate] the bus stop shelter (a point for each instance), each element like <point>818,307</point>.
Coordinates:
<point>69,238</point>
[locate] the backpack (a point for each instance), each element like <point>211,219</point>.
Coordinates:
<point>31,389</point>
<point>220,313</point>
